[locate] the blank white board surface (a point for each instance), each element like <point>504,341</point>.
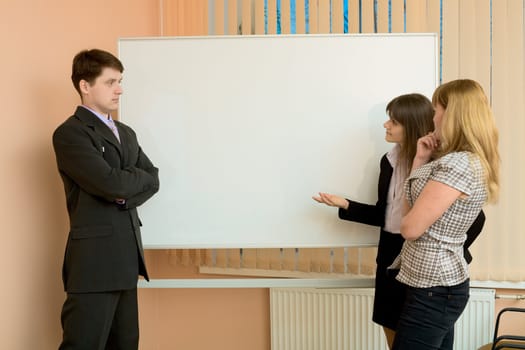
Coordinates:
<point>246,129</point>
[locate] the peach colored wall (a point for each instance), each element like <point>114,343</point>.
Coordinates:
<point>39,39</point>
<point>511,323</point>
<point>218,319</point>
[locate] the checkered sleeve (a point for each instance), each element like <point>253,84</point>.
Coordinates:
<point>454,170</point>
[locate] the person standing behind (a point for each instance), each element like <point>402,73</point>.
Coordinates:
<point>455,171</point>
<point>106,176</point>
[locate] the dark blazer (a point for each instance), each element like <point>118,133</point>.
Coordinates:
<point>104,247</point>
<point>375,214</point>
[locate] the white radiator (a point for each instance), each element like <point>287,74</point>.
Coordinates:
<point>341,319</point>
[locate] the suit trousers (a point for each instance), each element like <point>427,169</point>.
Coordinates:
<point>100,321</point>
<point>428,317</point>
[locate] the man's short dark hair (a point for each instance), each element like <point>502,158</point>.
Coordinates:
<point>88,65</point>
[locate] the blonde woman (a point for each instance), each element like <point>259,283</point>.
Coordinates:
<point>454,173</point>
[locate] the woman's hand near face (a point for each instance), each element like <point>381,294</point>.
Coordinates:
<point>331,200</point>
<point>426,146</point>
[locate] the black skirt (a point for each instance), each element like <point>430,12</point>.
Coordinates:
<point>389,293</point>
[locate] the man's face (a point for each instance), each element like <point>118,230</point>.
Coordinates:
<point>104,94</point>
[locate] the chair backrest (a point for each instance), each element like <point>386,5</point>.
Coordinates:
<point>508,341</point>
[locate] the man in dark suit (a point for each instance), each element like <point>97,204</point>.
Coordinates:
<point>106,177</point>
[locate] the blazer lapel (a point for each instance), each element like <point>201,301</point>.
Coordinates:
<point>124,144</point>
<point>98,126</point>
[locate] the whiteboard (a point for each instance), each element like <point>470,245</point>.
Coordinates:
<point>246,129</point>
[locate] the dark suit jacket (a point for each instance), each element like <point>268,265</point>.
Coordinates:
<point>104,247</point>
<point>375,214</point>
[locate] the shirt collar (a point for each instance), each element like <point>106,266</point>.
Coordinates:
<point>393,154</point>
<point>106,118</point>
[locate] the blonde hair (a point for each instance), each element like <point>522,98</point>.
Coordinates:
<point>468,125</point>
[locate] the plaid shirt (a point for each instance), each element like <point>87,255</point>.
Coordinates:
<point>436,257</point>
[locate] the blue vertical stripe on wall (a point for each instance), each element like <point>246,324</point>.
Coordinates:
<point>345,14</point>
<point>390,16</point>
<point>405,16</point>
<point>265,16</point>
<point>293,27</point>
